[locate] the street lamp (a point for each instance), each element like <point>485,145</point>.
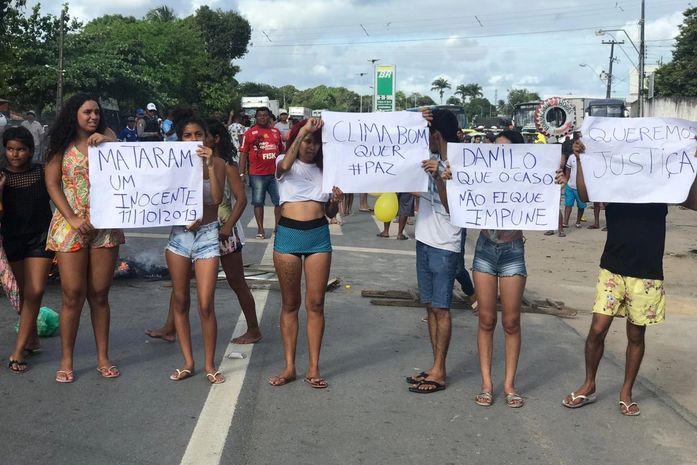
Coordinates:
<point>360,96</point>
<point>375,82</point>
<point>593,70</point>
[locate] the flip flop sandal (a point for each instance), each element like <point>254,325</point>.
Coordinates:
<point>436,387</point>
<point>317,383</point>
<point>277,381</point>
<point>17,367</point>
<point>585,400</point>
<point>514,400</point>
<point>624,409</point>
<point>65,376</point>
<point>417,379</point>
<point>215,378</point>
<point>181,375</point>
<point>109,372</point>
<point>261,236</point>
<point>485,399</point>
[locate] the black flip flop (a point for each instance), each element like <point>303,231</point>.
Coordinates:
<point>438,387</point>
<point>413,380</point>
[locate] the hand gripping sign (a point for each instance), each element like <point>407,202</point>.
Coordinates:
<point>509,186</point>
<point>639,160</point>
<point>145,184</point>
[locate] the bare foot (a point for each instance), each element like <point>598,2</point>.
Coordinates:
<point>160,334</point>
<point>250,337</point>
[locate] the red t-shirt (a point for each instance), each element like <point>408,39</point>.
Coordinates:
<point>262,145</point>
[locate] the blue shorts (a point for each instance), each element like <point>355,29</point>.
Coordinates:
<point>302,238</point>
<point>435,273</point>
<point>571,196</point>
<point>500,259</point>
<point>196,245</point>
<point>261,184</point>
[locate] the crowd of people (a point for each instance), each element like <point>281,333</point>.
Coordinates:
<point>285,161</point>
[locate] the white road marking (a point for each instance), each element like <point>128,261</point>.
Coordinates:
<point>208,439</point>
<point>343,248</point>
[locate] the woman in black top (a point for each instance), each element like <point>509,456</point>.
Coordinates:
<point>26,214</point>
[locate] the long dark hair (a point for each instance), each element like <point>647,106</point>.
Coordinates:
<point>514,136</point>
<point>182,117</point>
<point>64,130</point>
<point>225,148</point>
<point>317,135</point>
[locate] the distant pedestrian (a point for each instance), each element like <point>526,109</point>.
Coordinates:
<point>151,129</point>
<point>236,131</point>
<point>37,132</point>
<point>129,133</point>
<point>169,132</point>
<point>86,256</point>
<point>283,124</point>
<point>571,193</point>
<point>262,144</point>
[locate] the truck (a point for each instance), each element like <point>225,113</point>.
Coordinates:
<point>251,104</point>
<point>298,113</point>
<point>607,107</point>
<point>318,113</point>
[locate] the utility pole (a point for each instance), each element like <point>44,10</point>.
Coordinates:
<point>642,54</point>
<point>59,89</point>
<point>611,43</point>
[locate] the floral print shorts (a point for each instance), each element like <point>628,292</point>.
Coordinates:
<point>642,301</point>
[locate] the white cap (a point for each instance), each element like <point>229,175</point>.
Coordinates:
<point>151,106</point>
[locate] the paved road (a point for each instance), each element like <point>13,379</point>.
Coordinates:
<point>367,416</point>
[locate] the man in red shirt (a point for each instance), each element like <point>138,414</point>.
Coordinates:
<point>261,145</point>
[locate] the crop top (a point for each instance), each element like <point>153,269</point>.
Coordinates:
<point>302,182</point>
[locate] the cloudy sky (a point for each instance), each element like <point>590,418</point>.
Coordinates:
<point>500,45</point>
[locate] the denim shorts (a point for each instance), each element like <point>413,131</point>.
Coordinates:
<point>196,245</point>
<point>435,272</point>
<point>500,259</point>
<point>261,184</point>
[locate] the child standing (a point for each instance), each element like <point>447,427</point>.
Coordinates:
<point>26,218</point>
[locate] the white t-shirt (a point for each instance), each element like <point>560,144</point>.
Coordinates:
<point>433,226</point>
<point>302,182</point>
<point>571,164</point>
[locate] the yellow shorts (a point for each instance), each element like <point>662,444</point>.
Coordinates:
<point>642,301</point>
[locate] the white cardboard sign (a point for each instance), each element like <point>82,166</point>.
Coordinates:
<point>639,160</point>
<point>508,186</point>
<point>145,184</point>
<point>374,152</point>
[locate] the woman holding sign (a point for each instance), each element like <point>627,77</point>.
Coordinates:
<point>499,265</point>
<point>196,246</point>
<point>85,255</point>
<point>302,242</point>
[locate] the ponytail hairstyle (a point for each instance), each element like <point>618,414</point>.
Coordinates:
<point>225,148</point>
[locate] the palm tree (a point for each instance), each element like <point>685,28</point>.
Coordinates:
<point>162,14</point>
<point>440,84</point>
<point>472,90</point>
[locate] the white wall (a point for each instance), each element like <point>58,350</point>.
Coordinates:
<point>671,107</point>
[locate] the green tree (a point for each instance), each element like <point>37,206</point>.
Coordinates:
<point>439,85</point>
<point>225,33</point>
<point>678,77</point>
<point>478,108</point>
<point>401,100</point>
<point>471,91</point>
<point>453,101</point>
<point>162,13</point>
<point>29,48</point>
<point>516,96</point>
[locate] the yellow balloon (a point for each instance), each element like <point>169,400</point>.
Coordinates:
<point>375,194</point>
<point>386,207</point>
